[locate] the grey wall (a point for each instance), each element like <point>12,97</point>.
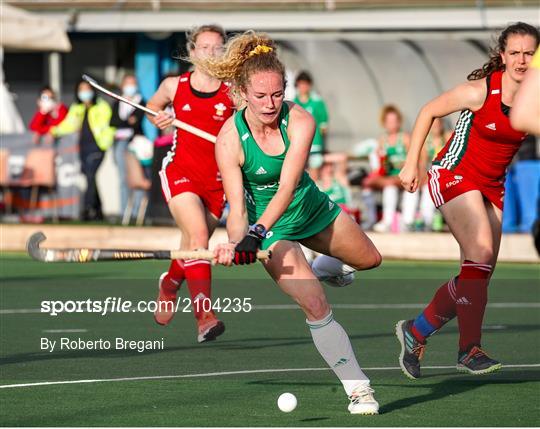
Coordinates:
<point>357,77</point>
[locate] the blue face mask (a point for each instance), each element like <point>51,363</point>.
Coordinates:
<point>85,95</point>
<point>129,90</point>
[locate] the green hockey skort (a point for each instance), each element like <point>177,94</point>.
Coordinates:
<point>310,211</point>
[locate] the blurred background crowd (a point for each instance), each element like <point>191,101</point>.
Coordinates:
<point>71,154</point>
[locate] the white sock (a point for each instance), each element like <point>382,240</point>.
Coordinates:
<point>370,213</point>
<point>326,266</point>
<point>334,345</point>
<point>427,208</point>
<point>308,253</point>
<point>389,200</point>
<point>409,203</point>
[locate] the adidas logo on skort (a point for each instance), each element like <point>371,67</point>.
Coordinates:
<point>492,126</point>
<point>261,170</point>
<point>330,205</point>
<point>463,301</point>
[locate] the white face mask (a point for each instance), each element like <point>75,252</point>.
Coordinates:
<point>85,95</point>
<point>47,104</point>
<point>129,90</point>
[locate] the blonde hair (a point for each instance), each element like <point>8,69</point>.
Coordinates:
<point>195,32</point>
<point>245,54</point>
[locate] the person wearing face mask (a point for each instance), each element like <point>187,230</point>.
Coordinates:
<point>50,112</point>
<point>128,123</point>
<point>90,118</point>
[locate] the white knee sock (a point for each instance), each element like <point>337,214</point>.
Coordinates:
<point>427,208</point>
<point>409,204</point>
<point>334,345</point>
<point>369,215</point>
<point>390,196</point>
<point>325,266</point>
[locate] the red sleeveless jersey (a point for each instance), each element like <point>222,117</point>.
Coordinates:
<point>191,155</point>
<point>483,142</point>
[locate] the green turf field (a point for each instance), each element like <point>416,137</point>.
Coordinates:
<point>236,380</point>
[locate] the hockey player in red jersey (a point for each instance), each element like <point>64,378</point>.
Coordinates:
<point>466,183</point>
<point>190,179</point>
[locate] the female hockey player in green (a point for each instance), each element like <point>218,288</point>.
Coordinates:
<point>261,154</point>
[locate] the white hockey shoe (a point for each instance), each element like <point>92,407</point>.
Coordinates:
<point>363,402</point>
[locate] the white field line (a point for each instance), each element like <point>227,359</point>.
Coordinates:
<point>337,306</point>
<point>20,310</point>
<point>60,331</point>
<point>218,374</point>
<point>392,306</point>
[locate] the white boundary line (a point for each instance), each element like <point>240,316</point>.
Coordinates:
<point>392,306</point>
<point>218,374</point>
<point>337,306</point>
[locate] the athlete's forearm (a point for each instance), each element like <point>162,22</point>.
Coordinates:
<point>275,209</point>
<point>155,108</point>
<point>237,227</point>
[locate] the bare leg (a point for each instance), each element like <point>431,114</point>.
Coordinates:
<point>345,240</point>
<point>289,268</point>
<point>495,220</point>
<point>469,222</point>
<point>193,219</point>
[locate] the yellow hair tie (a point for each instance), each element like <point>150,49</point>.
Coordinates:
<point>260,49</point>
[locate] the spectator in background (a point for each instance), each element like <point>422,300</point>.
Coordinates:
<point>128,123</point>
<point>314,104</point>
<point>50,112</point>
<point>333,180</point>
<point>522,189</point>
<point>417,209</point>
<point>90,118</point>
<point>390,154</point>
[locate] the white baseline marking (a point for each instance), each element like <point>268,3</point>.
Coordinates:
<point>58,331</point>
<point>392,306</point>
<point>218,374</point>
<point>20,310</point>
<point>338,306</point>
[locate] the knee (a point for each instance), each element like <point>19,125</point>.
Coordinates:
<point>482,254</point>
<point>315,307</point>
<point>371,259</point>
<point>198,240</point>
<point>376,259</point>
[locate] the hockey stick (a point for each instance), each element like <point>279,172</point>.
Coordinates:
<point>95,255</point>
<point>178,124</point>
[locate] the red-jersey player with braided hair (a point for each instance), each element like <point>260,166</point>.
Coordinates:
<point>190,178</point>
<point>466,183</point>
